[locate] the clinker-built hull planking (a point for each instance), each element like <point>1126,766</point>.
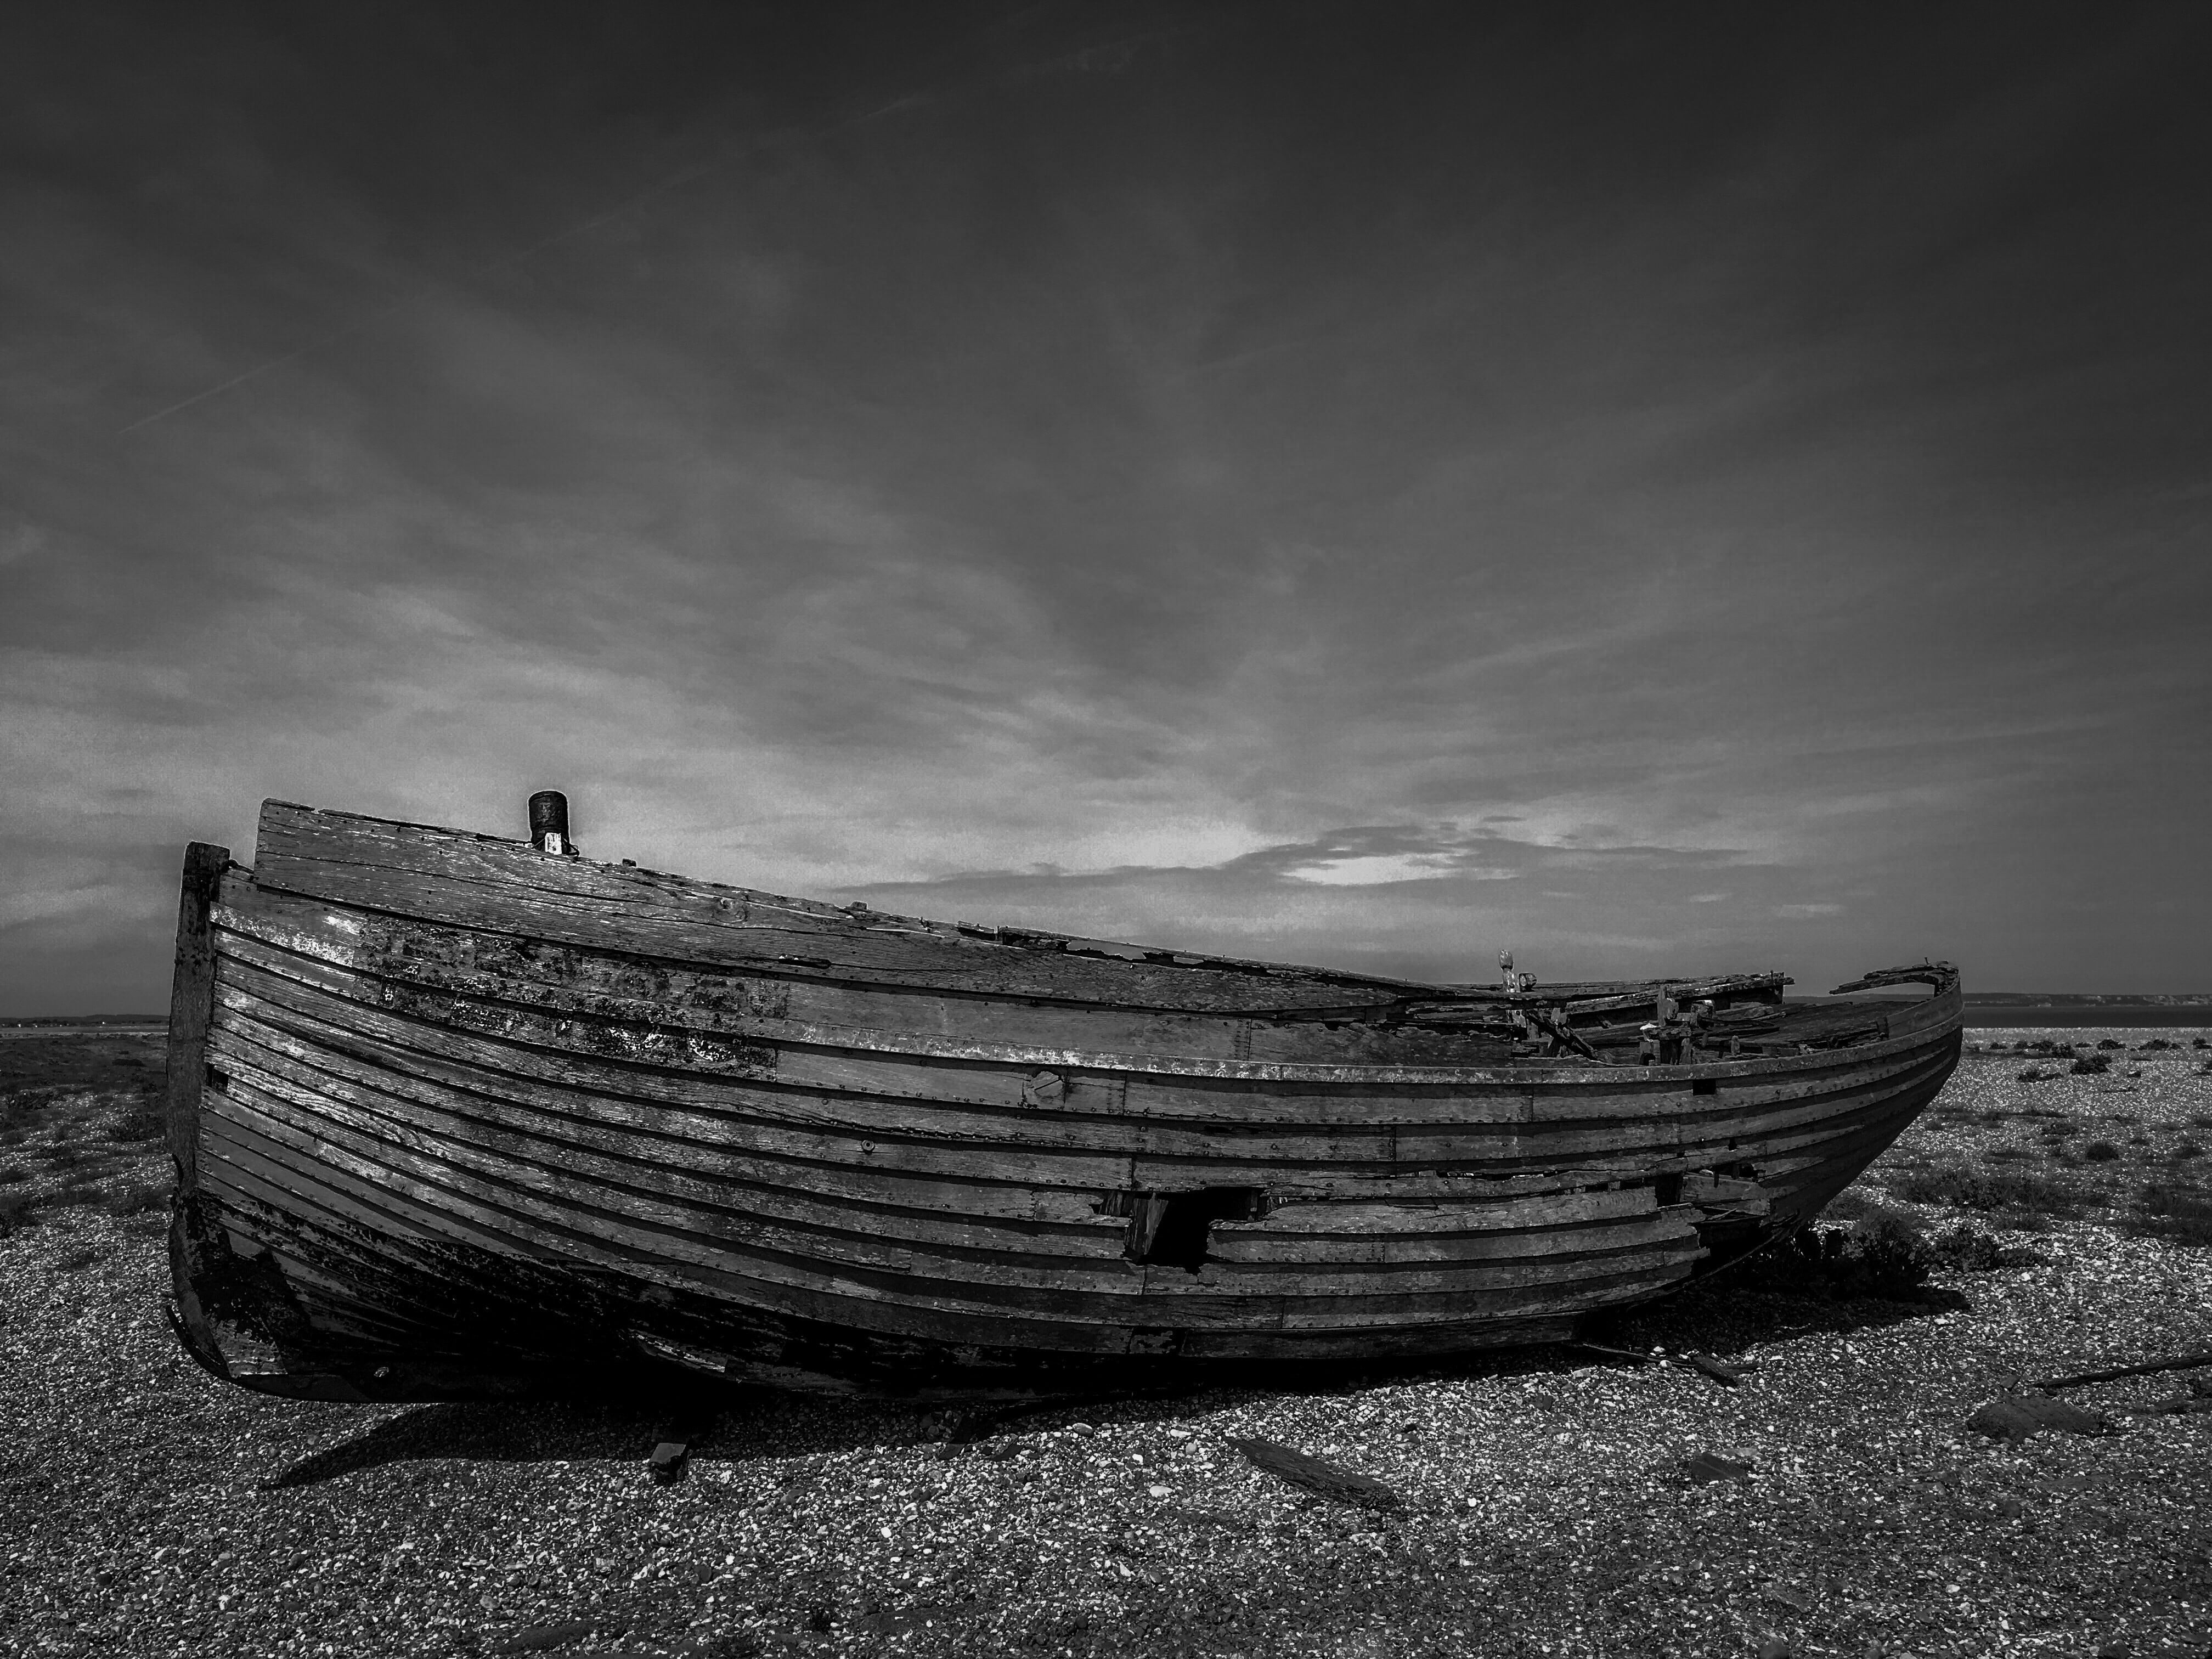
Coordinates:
<point>454,1117</point>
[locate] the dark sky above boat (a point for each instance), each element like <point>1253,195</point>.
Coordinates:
<point>1650,488</point>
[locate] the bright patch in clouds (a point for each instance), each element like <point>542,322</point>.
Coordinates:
<point>1802,912</point>
<point>1376,869</point>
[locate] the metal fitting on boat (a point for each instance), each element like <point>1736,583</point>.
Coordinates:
<point>549,823</point>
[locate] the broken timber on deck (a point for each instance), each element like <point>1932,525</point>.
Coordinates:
<point>456,1117</point>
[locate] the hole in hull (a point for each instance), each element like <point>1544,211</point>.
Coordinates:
<point>1172,1230</point>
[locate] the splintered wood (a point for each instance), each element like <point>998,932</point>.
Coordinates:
<point>2187,1362</point>
<point>1727,1376</point>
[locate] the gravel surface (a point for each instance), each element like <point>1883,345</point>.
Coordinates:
<point>146,1509</point>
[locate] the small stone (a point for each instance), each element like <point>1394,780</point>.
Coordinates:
<point>1774,1647</point>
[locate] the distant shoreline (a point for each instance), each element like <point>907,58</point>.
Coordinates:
<point>2148,1015</point>
<point>97,1025</point>
<point>2015,1008</point>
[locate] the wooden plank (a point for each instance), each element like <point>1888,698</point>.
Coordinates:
<point>290,829</point>
<point>782,1195</point>
<point>665,1119</point>
<point>266,1106</point>
<point>692,1140</point>
<point>1555,1227</point>
<point>1311,1342</point>
<point>192,1002</point>
<point>763,1188</point>
<point>1941,1012</point>
<point>1314,1348</point>
<point>2186,1362</point>
<point>1311,1345</point>
<point>385,1271</point>
<point>366,972</point>
<point>859,1093</point>
<point>1555,1091</point>
<point>855,1130</point>
<point>510,887</point>
<point>652,1277</point>
<point>704,1112</point>
<point>1330,1480</point>
<point>1587,1242</point>
<point>832,1059</point>
<point>341,1182</point>
<point>645,1231</point>
<point>1791,1168</point>
<point>506,887</point>
<point>335,1308</point>
<point>649,1213</point>
<point>1551,1224</point>
<point>757,1001</point>
<point>1547,1210</point>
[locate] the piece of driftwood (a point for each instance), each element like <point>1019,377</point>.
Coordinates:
<point>1727,1376</point>
<point>2187,1362</point>
<point>1315,1475</point>
<point>458,1117</point>
<point>538,1639</point>
<point>1638,1356</point>
<point>2180,1404</point>
<point>192,1002</point>
<point>1706,1466</point>
<point>2017,1416</point>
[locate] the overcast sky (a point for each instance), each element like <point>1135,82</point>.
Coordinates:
<point>1655,488</point>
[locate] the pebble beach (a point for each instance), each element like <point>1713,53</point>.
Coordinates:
<point>1543,1501</point>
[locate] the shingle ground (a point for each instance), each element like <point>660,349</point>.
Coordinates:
<point>146,1509</point>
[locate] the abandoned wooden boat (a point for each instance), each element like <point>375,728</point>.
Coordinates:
<point>459,1117</point>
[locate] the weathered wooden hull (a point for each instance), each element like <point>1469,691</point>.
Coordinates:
<point>455,1118</point>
